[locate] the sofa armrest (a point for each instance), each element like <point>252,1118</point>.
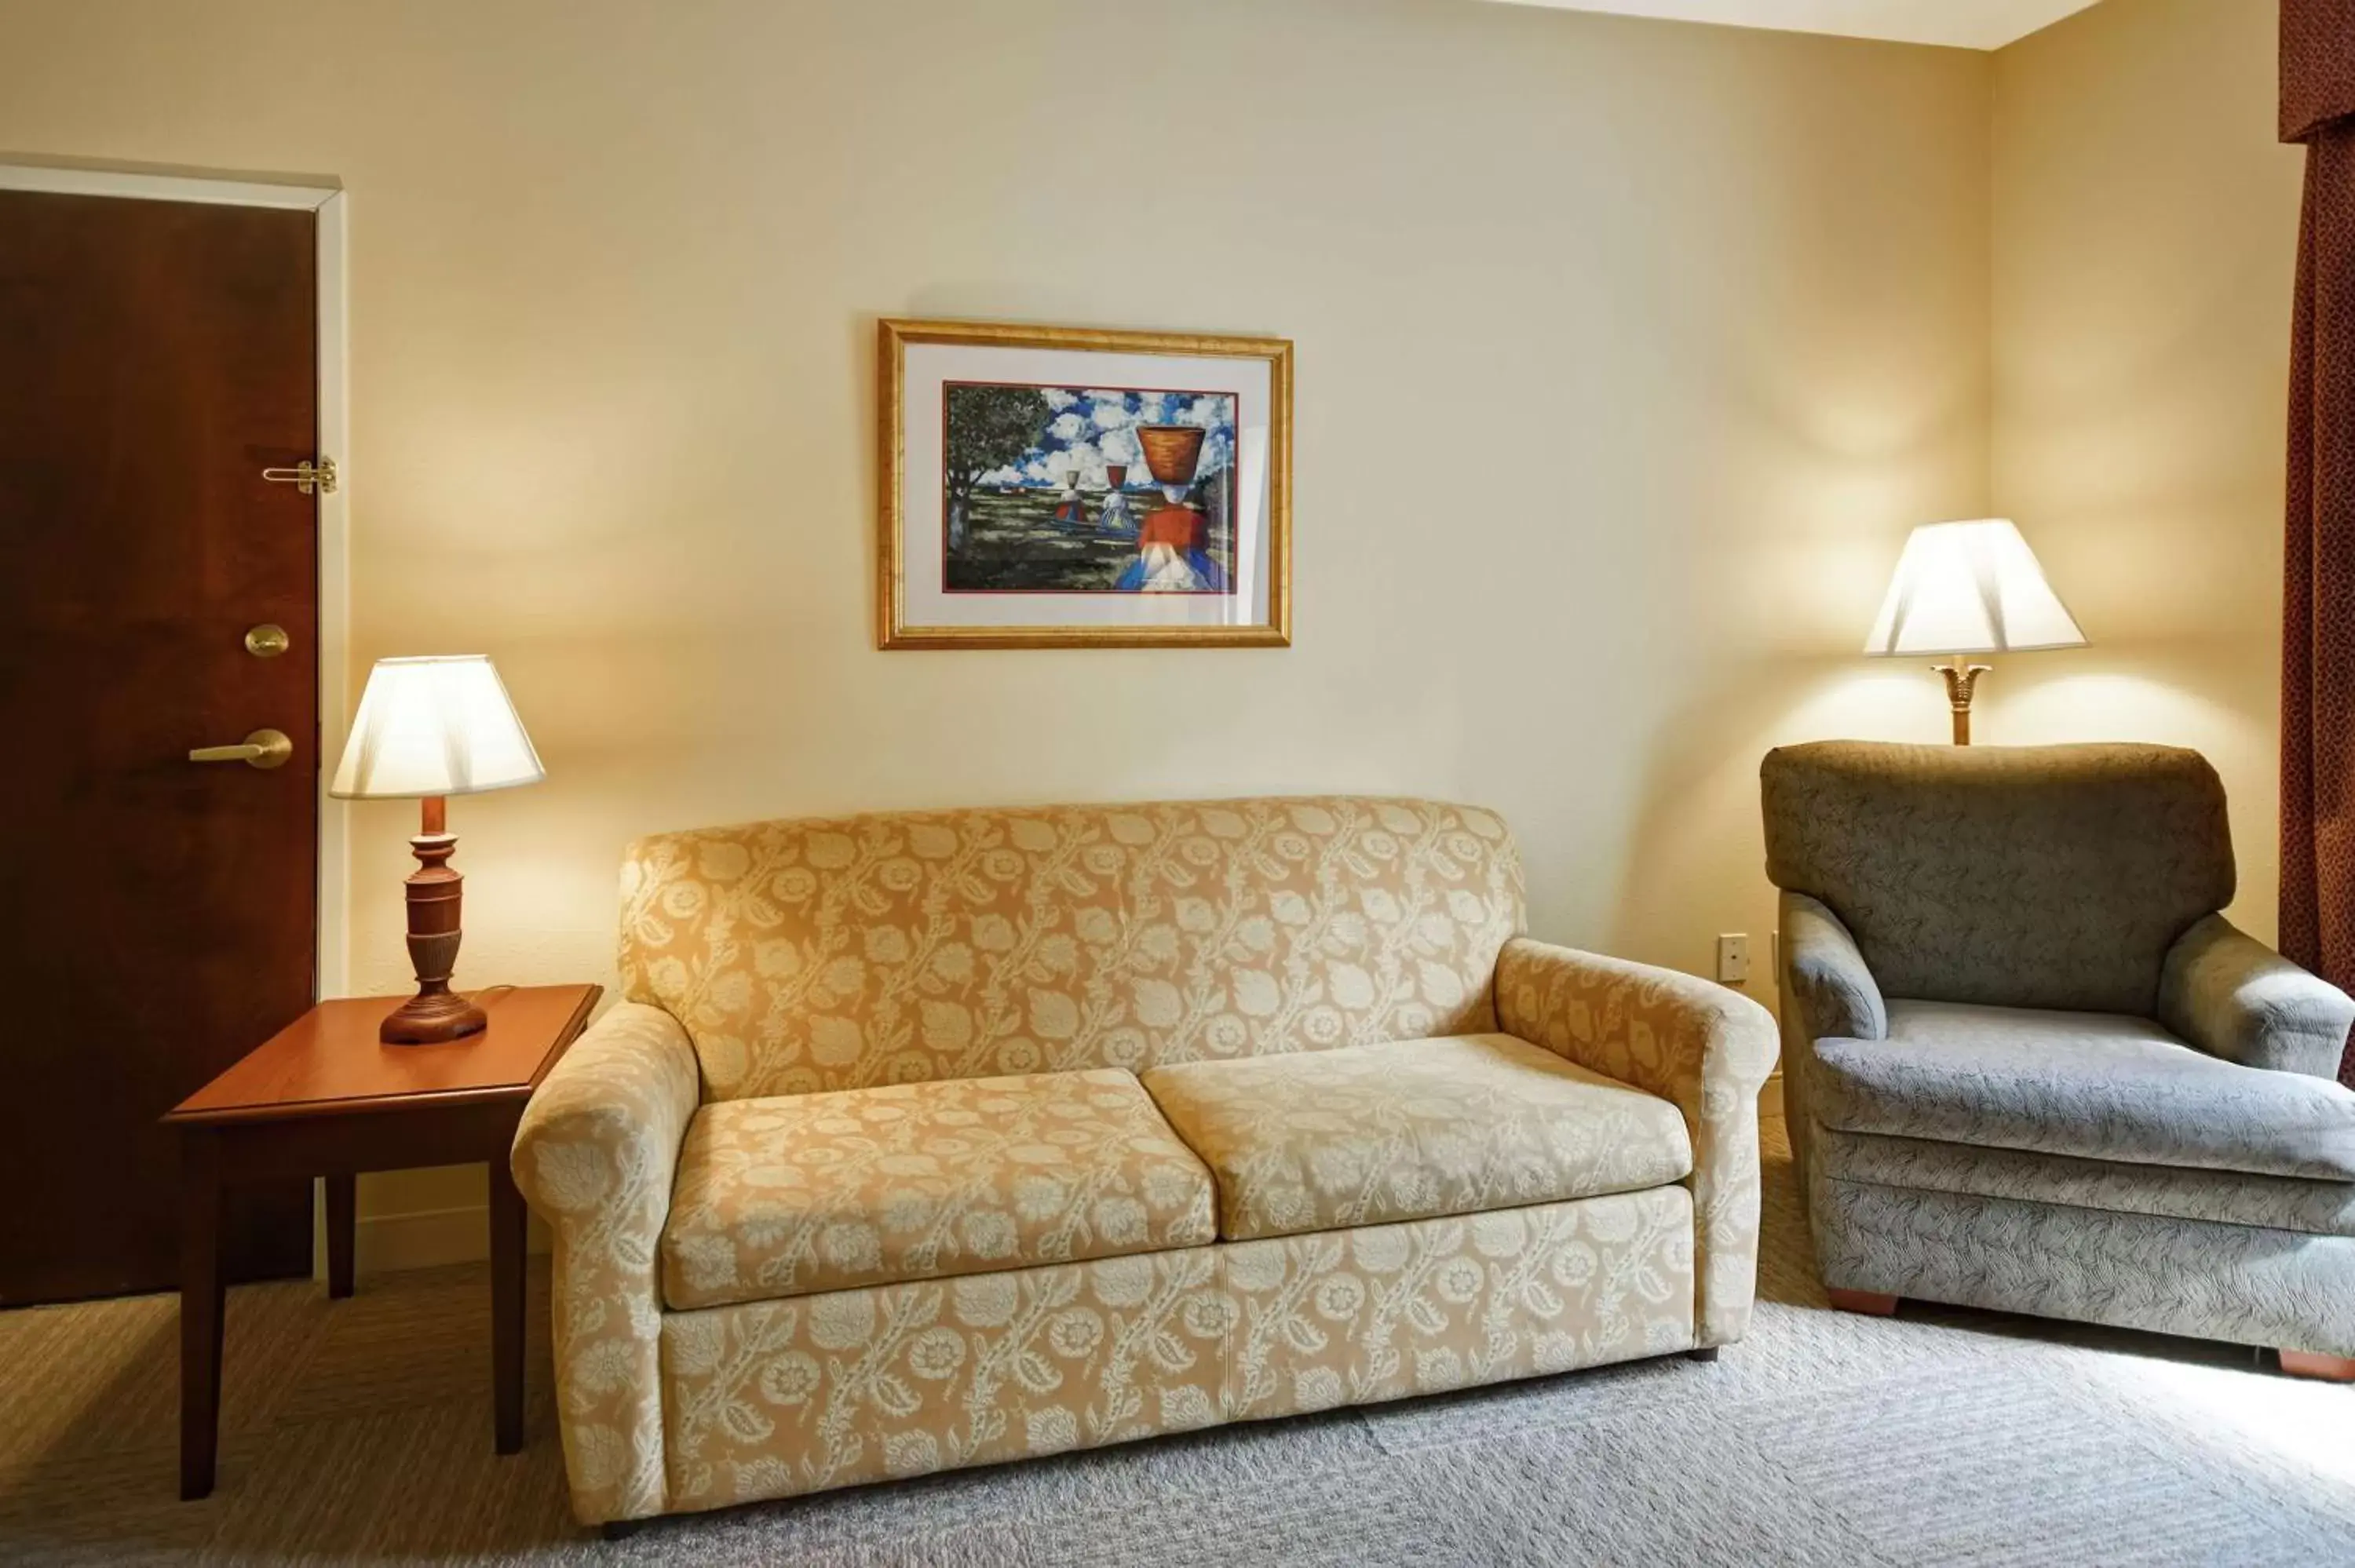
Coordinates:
<point>1703,1048</point>
<point>1826,975</point>
<point>594,1157</point>
<point>2235,998</point>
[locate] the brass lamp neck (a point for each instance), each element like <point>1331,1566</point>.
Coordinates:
<point>1962,683</point>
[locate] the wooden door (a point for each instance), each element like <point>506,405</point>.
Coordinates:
<point>157,916</point>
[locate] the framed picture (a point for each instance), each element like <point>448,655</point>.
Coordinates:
<point>1049,487</point>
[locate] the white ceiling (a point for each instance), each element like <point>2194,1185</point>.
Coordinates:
<point>1966,24</point>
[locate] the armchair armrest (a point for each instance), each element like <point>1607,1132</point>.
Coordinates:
<point>594,1157</point>
<point>1838,996</point>
<point>1694,1044</point>
<point>2235,998</point>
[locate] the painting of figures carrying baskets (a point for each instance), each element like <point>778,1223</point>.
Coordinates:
<point>1082,487</point>
<point>1087,489</point>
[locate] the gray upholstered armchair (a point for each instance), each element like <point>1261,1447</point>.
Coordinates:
<point>2028,1066</point>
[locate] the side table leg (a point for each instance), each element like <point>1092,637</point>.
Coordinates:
<point>200,1310</point>
<point>342,1198</point>
<point>509,1223</point>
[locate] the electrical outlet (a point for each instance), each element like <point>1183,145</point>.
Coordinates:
<point>1733,957</point>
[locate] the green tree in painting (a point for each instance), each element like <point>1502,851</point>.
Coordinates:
<point>988,428</point>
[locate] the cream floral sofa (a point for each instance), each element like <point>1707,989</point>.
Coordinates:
<point>928,1140</point>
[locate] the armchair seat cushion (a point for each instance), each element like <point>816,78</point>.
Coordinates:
<point>805,1193</point>
<point>2164,1192</point>
<point>2092,1086</point>
<point>1369,1134</point>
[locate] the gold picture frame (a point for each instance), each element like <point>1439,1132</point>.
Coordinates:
<point>999,541</point>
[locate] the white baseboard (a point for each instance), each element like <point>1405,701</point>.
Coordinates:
<point>421,1238</point>
<point>426,1239</point>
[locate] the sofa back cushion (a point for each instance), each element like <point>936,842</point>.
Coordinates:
<point>908,947</point>
<point>2047,876</point>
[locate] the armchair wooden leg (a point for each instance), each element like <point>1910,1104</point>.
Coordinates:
<point>1871,1303</point>
<point>2315,1364</point>
<point>1706,1354</point>
<point>621,1528</point>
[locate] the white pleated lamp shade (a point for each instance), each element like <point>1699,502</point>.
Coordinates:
<point>1970,587</point>
<point>440,725</point>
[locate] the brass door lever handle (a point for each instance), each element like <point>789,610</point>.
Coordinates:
<point>262,749</point>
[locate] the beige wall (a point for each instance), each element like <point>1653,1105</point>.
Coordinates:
<point>2145,241</point>
<point>1628,353</point>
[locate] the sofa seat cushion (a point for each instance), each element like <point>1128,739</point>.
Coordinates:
<point>2092,1085</point>
<point>1369,1134</point>
<point>804,1194</point>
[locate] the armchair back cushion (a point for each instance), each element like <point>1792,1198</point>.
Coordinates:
<point>911,947</point>
<point>2049,876</point>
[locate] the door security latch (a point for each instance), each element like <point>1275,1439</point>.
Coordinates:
<point>310,479</point>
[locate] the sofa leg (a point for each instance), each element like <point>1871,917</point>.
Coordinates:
<point>1704,1353</point>
<point>2315,1364</point>
<point>1871,1303</point>
<point>621,1528</point>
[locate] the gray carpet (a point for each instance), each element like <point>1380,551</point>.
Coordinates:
<point>359,1432</point>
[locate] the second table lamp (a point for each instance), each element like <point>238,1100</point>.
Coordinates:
<point>1962,588</point>
<point>428,728</point>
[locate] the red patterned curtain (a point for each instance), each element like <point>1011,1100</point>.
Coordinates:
<point>2318,819</point>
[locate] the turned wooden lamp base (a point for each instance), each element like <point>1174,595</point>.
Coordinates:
<point>436,1013</point>
<point>428,1018</point>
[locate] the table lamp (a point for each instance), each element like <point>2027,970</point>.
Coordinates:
<point>1969,587</point>
<point>427,729</point>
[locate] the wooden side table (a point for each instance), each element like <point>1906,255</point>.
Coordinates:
<point>324,1097</point>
